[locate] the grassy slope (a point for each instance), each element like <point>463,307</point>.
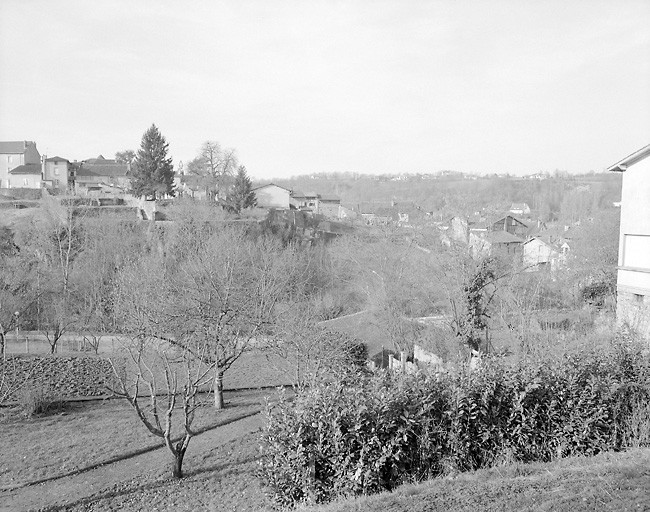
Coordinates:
<point>90,433</point>
<point>609,481</point>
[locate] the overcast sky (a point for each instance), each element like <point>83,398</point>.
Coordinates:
<point>313,86</point>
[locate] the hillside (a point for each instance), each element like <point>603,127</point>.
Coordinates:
<point>609,481</point>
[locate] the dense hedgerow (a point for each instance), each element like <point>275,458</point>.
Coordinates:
<point>335,439</point>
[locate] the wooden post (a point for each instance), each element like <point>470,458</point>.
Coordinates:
<point>27,344</point>
<point>402,357</point>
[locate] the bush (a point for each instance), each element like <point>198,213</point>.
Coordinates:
<point>337,440</point>
<point>38,400</point>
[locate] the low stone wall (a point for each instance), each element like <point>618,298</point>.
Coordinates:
<point>633,311</point>
<point>66,377</point>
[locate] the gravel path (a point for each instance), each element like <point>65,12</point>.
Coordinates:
<point>219,465</point>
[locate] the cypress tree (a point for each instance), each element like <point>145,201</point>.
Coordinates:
<point>153,172</point>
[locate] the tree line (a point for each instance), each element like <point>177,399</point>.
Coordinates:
<point>215,170</point>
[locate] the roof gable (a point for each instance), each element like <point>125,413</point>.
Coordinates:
<point>271,185</point>
<point>637,156</point>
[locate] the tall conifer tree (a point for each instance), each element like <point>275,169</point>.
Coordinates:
<point>153,172</point>
<point>242,195</point>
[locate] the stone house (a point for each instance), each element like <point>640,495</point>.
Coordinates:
<point>540,253</point>
<point>26,176</point>
<point>91,174</point>
<point>58,173</point>
<point>14,154</point>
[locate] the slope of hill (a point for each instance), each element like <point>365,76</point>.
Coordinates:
<point>609,481</point>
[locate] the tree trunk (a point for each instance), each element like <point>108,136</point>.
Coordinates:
<point>177,469</point>
<point>218,390</point>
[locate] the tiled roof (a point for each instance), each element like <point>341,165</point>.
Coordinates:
<point>106,169</point>
<point>55,158</point>
<point>27,169</point>
<point>14,147</point>
<point>499,218</point>
<point>99,160</point>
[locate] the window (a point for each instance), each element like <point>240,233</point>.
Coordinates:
<point>56,183</point>
<point>25,181</point>
<point>636,251</point>
<point>56,171</point>
<point>10,159</point>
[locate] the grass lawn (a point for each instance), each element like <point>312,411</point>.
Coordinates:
<point>88,433</point>
<point>607,482</point>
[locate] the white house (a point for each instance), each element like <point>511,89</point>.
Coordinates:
<point>633,282</point>
<point>272,196</point>
<point>539,253</point>
<point>520,209</point>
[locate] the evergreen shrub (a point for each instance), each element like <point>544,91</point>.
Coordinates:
<point>336,439</point>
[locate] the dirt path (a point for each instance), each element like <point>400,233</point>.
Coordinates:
<point>136,475</point>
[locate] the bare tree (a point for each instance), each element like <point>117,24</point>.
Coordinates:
<point>125,157</point>
<point>154,373</point>
<point>215,166</point>
<point>219,298</point>
<point>56,243</point>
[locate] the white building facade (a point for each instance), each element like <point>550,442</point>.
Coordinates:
<point>633,280</point>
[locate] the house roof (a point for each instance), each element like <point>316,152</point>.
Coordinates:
<point>518,206</point>
<point>14,147</point>
<point>546,241</point>
<point>298,193</point>
<point>271,185</point>
<point>99,160</point>
<point>330,199</point>
<point>521,221</point>
<point>55,158</point>
<point>107,169</point>
<point>635,157</point>
<point>27,169</point>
